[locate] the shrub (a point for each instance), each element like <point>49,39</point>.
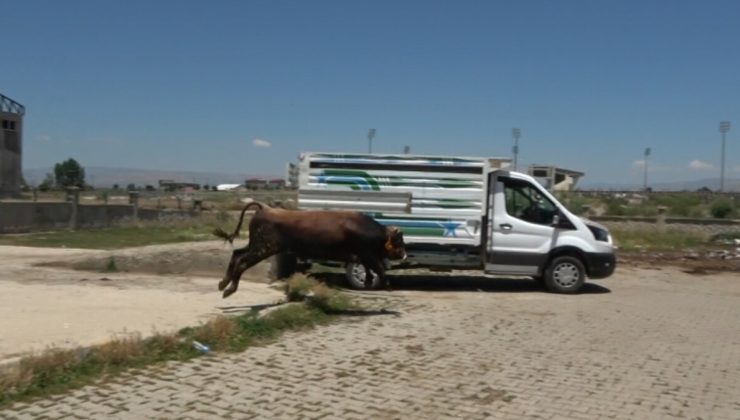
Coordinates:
<point>329,300</point>
<point>616,206</point>
<point>721,208</point>
<point>293,317</point>
<point>679,204</point>
<point>299,287</point>
<point>110,266</point>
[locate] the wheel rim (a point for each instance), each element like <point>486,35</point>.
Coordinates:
<point>357,271</point>
<point>566,275</point>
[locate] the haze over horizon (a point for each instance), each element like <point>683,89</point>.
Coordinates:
<point>243,87</point>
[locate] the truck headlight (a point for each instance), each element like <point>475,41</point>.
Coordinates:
<point>600,234</point>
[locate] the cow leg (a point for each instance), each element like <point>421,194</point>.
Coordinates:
<point>235,256</point>
<point>253,255</point>
<point>379,269</point>
<point>372,266</point>
<point>368,276</point>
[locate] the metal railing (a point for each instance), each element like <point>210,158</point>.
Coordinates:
<point>11,106</point>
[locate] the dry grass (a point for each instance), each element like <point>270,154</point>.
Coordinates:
<point>218,332</point>
<point>119,350</point>
<point>37,369</point>
<point>656,239</point>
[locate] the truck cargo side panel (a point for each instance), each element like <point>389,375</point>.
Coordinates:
<point>446,195</point>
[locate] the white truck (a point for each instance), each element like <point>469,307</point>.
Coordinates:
<point>461,213</point>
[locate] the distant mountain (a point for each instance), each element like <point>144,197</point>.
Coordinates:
<point>731,185</point>
<point>106,177</point>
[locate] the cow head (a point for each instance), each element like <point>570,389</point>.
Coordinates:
<point>395,249</point>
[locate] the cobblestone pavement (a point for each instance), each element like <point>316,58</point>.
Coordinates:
<point>643,344</point>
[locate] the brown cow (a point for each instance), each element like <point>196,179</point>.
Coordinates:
<point>322,235</point>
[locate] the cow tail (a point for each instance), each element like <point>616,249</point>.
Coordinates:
<point>231,236</point>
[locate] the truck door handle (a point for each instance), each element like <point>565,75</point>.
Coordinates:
<point>505,226</point>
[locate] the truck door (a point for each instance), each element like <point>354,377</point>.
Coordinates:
<point>520,227</point>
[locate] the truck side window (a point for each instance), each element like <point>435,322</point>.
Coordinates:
<point>525,202</point>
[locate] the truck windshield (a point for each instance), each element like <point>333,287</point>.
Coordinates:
<point>525,202</point>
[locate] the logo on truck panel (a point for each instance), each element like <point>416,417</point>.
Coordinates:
<point>361,180</point>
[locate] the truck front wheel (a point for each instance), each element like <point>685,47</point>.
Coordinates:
<point>355,274</point>
<point>565,274</point>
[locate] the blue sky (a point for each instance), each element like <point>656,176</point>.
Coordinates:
<point>206,86</point>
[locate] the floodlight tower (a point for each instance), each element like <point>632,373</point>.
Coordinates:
<point>724,127</point>
<point>370,137</point>
<point>516,133</point>
<point>647,153</point>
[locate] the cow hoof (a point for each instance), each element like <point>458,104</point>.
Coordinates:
<point>228,292</point>
<point>222,284</point>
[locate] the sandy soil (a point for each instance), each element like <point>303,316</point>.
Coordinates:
<point>45,298</point>
<point>42,306</point>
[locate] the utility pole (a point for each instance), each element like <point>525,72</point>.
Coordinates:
<point>724,127</point>
<point>370,137</point>
<point>647,153</point>
<point>516,133</point>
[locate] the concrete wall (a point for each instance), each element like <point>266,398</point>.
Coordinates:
<point>24,217</point>
<point>18,217</point>
<point>10,159</point>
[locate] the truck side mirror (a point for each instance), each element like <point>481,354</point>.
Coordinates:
<point>555,221</point>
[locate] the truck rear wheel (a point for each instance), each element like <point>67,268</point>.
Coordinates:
<point>565,274</point>
<point>355,274</point>
<point>282,266</point>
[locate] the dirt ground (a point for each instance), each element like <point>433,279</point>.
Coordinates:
<point>692,262</point>
<point>64,297</point>
<point>54,305</point>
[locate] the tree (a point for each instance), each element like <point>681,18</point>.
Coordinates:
<point>47,183</point>
<point>69,174</point>
<point>131,187</point>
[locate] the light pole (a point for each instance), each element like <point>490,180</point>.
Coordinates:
<point>370,137</point>
<point>724,127</point>
<point>647,153</point>
<point>516,133</point>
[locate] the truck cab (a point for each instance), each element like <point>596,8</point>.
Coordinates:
<point>530,233</point>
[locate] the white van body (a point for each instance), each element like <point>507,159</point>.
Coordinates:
<point>461,213</point>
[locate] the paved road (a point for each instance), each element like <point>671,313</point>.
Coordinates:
<point>643,344</point>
